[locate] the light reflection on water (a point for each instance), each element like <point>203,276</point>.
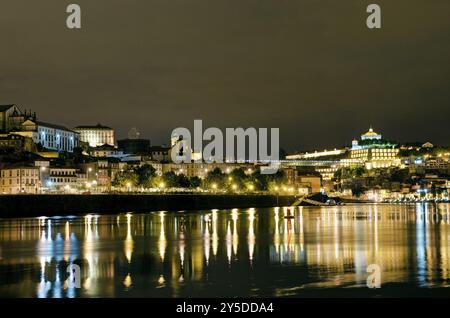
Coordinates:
<point>246,252</point>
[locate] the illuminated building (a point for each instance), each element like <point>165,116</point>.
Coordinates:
<point>61,178</point>
<point>427,145</point>
<point>15,180</point>
<point>316,154</point>
<point>11,117</point>
<point>327,173</point>
<point>106,151</point>
<point>97,135</point>
<point>375,152</point>
<point>50,136</point>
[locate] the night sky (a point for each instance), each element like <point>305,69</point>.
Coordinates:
<point>309,67</point>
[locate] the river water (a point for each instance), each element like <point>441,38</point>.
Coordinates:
<point>299,252</point>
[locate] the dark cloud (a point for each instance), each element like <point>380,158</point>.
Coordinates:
<point>310,67</point>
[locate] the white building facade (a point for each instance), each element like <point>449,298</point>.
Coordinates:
<point>96,136</point>
<point>50,136</point>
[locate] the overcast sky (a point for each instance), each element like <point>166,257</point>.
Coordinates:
<point>309,67</point>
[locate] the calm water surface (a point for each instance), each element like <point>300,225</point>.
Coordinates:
<point>230,253</point>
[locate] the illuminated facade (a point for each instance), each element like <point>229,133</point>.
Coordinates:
<point>20,180</point>
<point>62,178</point>
<point>327,173</point>
<point>95,136</point>
<point>375,152</point>
<point>50,136</point>
<point>316,154</point>
<point>371,135</point>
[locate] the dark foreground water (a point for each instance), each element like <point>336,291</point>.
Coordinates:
<point>229,253</point>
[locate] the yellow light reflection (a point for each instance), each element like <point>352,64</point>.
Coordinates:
<point>162,242</point>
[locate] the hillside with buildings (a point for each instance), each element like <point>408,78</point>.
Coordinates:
<point>37,157</point>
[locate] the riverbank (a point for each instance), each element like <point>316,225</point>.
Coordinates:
<point>60,205</point>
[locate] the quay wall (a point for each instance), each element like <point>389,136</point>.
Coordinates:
<point>60,205</point>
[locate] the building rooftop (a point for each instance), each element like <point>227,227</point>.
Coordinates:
<point>60,127</point>
<point>98,126</point>
<point>5,107</point>
<point>104,147</point>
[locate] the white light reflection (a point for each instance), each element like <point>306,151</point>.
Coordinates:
<point>234,216</point>
<point>251,235</point>
<point>215,237</point>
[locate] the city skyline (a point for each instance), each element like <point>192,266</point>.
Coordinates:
<point>313,70</point>
<point>116,137</point>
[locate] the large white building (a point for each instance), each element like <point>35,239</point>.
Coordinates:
<point>50,136</point>
<point>95,136</point>
<point>374,151</point>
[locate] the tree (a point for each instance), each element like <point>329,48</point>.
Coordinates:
<point>238,177</point>
<point>182,181</point>
<point>170,179</point>
<point>195,182</point>
<point>400,175</point>
<point>125,178</point>
<point>215,176</point>
<point>357,189</point>
<point>262,181</point>
<point>145,175</point>
<point>357,171</point>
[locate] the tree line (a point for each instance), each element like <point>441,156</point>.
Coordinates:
<point>237,180</point>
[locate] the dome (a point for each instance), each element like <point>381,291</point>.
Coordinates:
<point>371,133</point>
